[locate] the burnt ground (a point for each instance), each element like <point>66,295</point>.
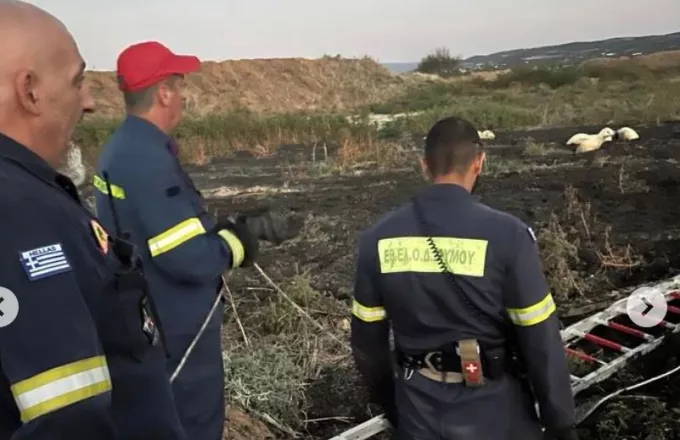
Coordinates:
<point>632,190</point>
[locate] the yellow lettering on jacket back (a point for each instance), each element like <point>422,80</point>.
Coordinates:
<point>462,256</point>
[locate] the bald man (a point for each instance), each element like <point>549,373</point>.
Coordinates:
<point>76,328</point>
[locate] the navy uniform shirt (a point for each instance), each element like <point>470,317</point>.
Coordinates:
<point>184,256</point>
<point>54,378</point>
<point>496,261</point>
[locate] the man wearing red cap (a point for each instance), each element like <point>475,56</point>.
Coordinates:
<point>142,187</point>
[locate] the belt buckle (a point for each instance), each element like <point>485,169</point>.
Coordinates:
<point>428,363</point>
<point>427,360</point>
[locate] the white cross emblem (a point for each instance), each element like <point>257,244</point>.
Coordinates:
<point>471,368</point>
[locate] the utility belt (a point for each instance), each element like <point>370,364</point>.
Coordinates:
<point>463,362</point>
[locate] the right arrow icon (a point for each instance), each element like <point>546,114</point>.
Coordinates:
<point>649,307</point>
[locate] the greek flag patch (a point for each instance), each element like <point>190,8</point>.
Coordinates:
<point>44,262</point>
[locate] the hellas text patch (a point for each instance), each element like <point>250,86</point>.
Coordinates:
<point>44,262</point>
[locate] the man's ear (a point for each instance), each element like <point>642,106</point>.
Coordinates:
<point>26,88</point>
<point>478,165</point>
<point>164,94</point>
<point>424,169</point>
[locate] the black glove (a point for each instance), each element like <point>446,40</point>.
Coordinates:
<point>561,434</point>
<point>274,228</point>
<point>250,244</point>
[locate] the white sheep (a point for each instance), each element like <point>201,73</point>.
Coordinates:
<point>627,134</point>
<point>592,143</point>
<point>580,137</point>
<point>487,135</point>
<point>607,132</point>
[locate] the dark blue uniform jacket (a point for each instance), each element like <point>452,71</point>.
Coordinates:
<point>159,206</point>
<point>66,365</point>
<point>496,261</point>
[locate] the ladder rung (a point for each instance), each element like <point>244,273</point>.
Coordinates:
<point>583,356</point>
<point>628,330</point>
<point>604,342</point>
<point>674,309</point>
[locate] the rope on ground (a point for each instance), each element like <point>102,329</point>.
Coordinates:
<point>225,287</point>
<point>189,349</point>
<point>592,409</point>
<point>298,308</point>
<point>238,320</point>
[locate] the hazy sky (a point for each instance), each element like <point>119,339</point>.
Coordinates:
<point>389,30</point>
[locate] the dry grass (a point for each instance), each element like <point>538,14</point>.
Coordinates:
<point>572,238</point>
<point>533,148</point>
<point>269,375</point>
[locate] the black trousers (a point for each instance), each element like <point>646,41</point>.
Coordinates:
<point>429,410</point>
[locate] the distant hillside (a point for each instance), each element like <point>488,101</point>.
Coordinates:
<point>578,51</point>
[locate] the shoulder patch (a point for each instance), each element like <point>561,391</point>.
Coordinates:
<point>531,233</point>
<point>100,236</point>
<point>44,262</point>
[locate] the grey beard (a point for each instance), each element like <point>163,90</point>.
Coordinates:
<point>73,167</point>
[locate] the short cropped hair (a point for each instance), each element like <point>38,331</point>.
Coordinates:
<point>142,100</point>
<point>451,145</point>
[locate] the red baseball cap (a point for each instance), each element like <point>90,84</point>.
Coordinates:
<point>147,63</point>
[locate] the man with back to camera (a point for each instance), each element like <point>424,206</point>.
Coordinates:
<point>474,322</point>
<point>73,359</point>
<point>185,252</point>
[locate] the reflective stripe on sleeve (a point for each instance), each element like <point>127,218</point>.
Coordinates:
<point>175,236</point>
<point>238,253</point>
<point>534,314</point>
<point>368,314</point>
<point>61,386</point>
<point>116,191</point>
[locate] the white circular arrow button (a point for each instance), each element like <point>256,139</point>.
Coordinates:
<point>646,307</point>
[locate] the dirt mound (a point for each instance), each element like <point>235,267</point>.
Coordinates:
<point>270,85</point>
<point>243,427</point>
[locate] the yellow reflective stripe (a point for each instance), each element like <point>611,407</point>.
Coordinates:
<point>100,184</point>
<point>368,314</point>
<point>61,386</point>
<point>238,252</point>
<point>462,256</point>
<point>534,314</point>
<point>175,236</point>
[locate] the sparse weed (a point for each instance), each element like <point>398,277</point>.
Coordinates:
<point>270,375</point>
<point>569,240</point>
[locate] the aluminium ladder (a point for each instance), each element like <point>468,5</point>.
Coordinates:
<point>612,353</point>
